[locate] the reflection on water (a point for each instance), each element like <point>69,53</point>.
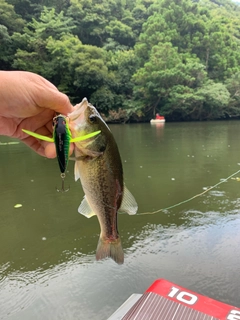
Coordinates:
<point>47,254</point>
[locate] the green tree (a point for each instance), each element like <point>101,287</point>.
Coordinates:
<point>91,18</point>
<point>5,52</point>
<point>9,18</point>
<point>29,9</point>
<point>79,70</point>
<point>182,46</point>
<point>178,57</point>
<point>49,24</point>
<point>117,92</point>
<point>32,54</point>
<point>194,28</point>
<point>101,23</point>
<point>9,22</point>
<point>164,81</point>
<point>233,86</point>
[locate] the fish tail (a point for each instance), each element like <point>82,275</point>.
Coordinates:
<point>112,249</point>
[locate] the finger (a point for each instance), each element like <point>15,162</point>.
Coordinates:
<point>8,126</point>
<point>43,148</point>
<point>71,148</point>
<point>56,101</point>
<point>52,98</point>
<point>35,145</point>
<point>50,150</point>
<point>40,124</point>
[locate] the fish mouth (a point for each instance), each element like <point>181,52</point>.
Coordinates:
<point>76,114</point>
<point>79,111</point>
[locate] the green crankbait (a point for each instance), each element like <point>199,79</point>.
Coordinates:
<point>62,138</point>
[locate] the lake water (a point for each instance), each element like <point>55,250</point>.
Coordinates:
<point>47,249</point>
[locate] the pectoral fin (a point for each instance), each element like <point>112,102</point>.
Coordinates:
<point>85,208</point>
<point>88,154</point>
<point>85,137</point>
<point>129,204</point>
<point>38,136</point>
<point>76,171</point>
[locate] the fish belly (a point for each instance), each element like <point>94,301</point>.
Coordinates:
<point>103,191</point>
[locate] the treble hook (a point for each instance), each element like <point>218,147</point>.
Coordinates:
<point>63,189</point>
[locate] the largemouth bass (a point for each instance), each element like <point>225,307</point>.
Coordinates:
<point>99,167</point>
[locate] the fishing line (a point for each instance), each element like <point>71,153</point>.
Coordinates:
<point>196,196</point>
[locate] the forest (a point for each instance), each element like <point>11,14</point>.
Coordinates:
<point>131,58</point>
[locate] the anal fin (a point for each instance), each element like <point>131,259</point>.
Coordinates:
<point>85,208</point>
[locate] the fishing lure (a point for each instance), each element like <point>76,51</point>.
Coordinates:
<point>62,138</point>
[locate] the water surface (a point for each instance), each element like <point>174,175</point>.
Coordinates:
<point>47,251</point>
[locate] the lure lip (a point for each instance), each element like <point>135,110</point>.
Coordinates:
<point>58,116</point>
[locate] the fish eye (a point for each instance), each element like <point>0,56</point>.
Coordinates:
<point>102,149</point>
<point>92,118</point>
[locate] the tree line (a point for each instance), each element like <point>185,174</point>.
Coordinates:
<point>131,58</point>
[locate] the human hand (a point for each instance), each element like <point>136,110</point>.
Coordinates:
<point>28,101</point>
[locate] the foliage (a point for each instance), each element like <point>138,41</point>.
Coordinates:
<point>183,45</point>
<point>32,53</point>
<point>109,21</point>
<point>9,18</point>
<point>10,22</point>
<point>131,58</point>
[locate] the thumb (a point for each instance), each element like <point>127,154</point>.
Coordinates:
<point>56,100</point>
<point>46,95</point>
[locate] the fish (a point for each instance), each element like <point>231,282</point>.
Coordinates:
<point>98,165</point>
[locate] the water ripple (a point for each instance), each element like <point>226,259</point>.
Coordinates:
<point>21,289</point>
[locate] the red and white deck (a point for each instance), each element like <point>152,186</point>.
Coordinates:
<point>164,300</point>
